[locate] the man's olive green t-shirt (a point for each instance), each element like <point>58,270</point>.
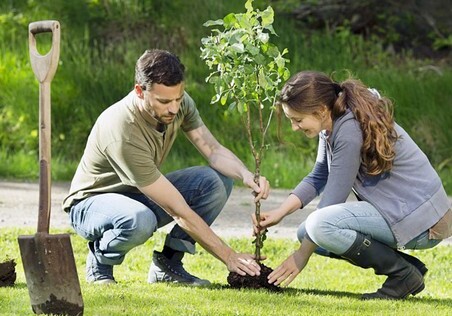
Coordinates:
<point>124,150</point>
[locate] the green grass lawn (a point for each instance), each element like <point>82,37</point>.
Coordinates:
<point>325,287</point>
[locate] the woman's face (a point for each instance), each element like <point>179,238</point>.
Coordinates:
<point>311,125</point>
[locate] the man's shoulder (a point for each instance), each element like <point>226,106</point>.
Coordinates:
<point>187,101</point>
<point>116,122</point>
<point>118,111</point>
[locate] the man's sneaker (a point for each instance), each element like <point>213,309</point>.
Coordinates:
<point>97,273</point>
<point>165,270</point>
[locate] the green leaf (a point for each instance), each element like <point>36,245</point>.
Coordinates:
<point>252,49</point>
<point>213,78</point>
<point>214,99</point>
<point>227,78</point>
<point>245,22</point>
<point>280,61</point>
<point>242,107</point>
<point>271,29</point>
<point>237,82</point>
<point>272,51</point>
<point>267,17</point>
<point>263,82</point>
<point>260,59</point>
<point>286,74</point>
<point>224,98</point>
<point>213,22</point>
<point>248,69</point>
<point>238,48</point>
<point>237,36</point>
<point>263,37</point>
<point>249,5</point>
<point>230,20</point>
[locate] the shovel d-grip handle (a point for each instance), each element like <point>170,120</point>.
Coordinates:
<point>44,68</point>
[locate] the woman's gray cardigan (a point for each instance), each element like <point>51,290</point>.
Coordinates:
<point>410,197</point>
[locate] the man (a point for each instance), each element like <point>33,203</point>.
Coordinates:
<point>118,197</point>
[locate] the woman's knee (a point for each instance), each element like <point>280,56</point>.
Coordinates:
<point>321,224</point>
<point>301,231</point>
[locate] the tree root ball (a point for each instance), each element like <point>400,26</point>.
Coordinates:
<point>7,273</point>
<point>238,281</point>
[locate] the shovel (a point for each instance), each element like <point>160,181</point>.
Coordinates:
<point>48,260</point>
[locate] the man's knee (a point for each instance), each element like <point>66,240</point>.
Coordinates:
<point>138,227</point>
<point>216,179</point>
<point>216,184</point>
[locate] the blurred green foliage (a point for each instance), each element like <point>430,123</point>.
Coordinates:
<point>101,40</point>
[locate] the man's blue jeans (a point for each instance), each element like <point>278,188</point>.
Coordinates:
<point>334,228</point>
<point>118,222</point>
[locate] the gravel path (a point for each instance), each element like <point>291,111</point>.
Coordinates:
<point>19,208</point>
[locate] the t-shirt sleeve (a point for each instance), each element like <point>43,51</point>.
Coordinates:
<point>132,163</point>
<point>192,119</point>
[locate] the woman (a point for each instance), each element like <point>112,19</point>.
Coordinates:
<point>401,201</point>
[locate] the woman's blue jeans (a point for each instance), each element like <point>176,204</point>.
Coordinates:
<point>118,222</point>
<point>334,228</point>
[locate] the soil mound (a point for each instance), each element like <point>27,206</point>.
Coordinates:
<point>7,273</point>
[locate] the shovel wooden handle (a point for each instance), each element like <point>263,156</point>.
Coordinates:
<point>44,68</point>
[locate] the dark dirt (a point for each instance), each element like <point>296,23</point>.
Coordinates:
<point>57,306</point>
<point>7,273</point>
<point>238,281</point>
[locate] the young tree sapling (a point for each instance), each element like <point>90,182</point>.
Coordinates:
<point>246,72</point>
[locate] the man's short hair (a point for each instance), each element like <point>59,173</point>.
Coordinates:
<point>158,66</point>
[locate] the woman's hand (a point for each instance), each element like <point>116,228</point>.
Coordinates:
<point>267,219</point>
<point>289,269</point>
<point>293,265</point>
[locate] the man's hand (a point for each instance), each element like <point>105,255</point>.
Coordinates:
<point>243,264</point>
<point>260,191</point>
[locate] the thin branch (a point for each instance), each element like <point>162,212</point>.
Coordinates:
<point>261,121</point>
<point>247,123</point>
<point>268,122</point>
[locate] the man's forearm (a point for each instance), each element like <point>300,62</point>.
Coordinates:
<point>225,162</point>
<point>167,197</point>
<point>194,226</point>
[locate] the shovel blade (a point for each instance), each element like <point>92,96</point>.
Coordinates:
<point>51,274</point>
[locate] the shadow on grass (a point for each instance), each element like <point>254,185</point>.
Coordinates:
<point>339,294</point>
<point>287,291</point>
<point>19,285</point>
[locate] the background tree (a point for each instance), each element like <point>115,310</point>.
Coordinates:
<point>421,26</point>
